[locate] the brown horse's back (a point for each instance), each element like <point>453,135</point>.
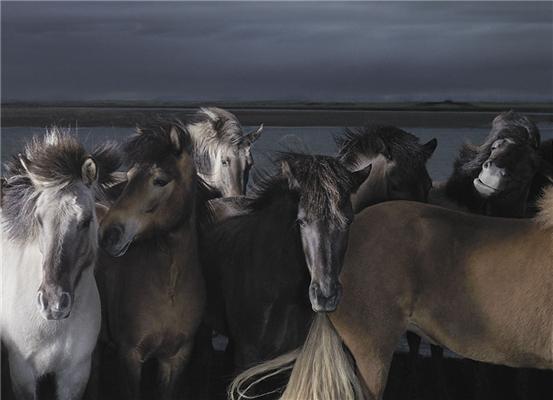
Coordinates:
<point>479,286</point>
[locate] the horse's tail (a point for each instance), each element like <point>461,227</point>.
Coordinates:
<point>323,369</point>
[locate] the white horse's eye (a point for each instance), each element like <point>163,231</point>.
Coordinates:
<point>226,161</point>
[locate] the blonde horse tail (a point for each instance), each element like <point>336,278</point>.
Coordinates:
<point>323,370</point>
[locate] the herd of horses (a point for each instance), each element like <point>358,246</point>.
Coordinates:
<point>314,275</point>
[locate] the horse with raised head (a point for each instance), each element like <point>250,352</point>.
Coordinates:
<point>258,262</point>
<point>495,178</point>
<point>493,278</point>
<point>50,316</point>
<point>152,286</point>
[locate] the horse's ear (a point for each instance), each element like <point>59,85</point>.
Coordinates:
<point>101,211</point>
<point>429,147</point>
<point>286,171</point>
<point>254,135</point>
<point>89,171</point>
<point>360,176</point>
<point>546,169</point>
<point>384,149</point>
<point>176,140</point>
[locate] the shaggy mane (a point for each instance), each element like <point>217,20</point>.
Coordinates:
<point>54,160</point>
<point>371,140</point>
<point>322,182</point>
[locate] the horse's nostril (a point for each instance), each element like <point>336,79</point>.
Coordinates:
<point>487,164</point>
<point>41,301</point>
<point>65,301</point>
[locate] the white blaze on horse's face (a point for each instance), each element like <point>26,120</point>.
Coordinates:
<point>67,238</point>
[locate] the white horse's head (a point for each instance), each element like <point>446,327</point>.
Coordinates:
<point>56,183</point>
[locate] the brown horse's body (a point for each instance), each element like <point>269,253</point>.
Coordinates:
<point>479,286</point>
<point>154,299</point>
<point>151,284</point>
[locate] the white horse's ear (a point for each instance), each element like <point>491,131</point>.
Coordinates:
<point>175,139</point>
<point>89,171</point>
<point>286,171</point>
<point>101,211</point>
<point>254,135</point>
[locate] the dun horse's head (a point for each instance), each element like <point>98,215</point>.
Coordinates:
<point>323,186</point>
<point>50,198</point>
<point>398,164</point>
<point>160,190</point>
<point>222,151</point>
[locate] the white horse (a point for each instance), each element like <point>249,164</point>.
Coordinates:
<point>50,316</point>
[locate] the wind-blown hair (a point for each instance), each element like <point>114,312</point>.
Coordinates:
<point>321,183</point>
<point>371,140</point>
<point>152,143</point>
<point>212,129</point>
<point>545,205</point>
<point>507,125</point>
<point>54,160</point>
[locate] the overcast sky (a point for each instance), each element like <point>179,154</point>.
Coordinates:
<point>277,51</point>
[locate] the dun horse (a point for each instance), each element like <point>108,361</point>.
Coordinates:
<point>50,304</point>
<point>493,278</point>
<point>153,291</point>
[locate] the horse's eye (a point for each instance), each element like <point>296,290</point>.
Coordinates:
<point>225,161</point>
<point>300,222</point>
<point>160,182</point>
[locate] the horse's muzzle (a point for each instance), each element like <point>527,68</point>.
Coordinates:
<point>54,307</point>
<point>325,300</point>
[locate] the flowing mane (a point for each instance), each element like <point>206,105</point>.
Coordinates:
<point>320,184</point>
<point>402,147</point>
<point>53,160</point>
<point>211,129</point>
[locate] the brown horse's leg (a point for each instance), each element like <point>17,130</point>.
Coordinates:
<point>131,371</point>
<point>170,372</point>
<point>414,342</point>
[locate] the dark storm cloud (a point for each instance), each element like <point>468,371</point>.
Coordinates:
<point>277,51</point>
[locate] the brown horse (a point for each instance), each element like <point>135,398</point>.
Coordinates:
<point>152,287</point>
<point>480,286</point>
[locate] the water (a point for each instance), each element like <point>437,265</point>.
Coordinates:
<point>314,139</point>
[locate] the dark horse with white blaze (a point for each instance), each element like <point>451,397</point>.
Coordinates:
<point>152,287</point>
<point>493,278</point>
<point>50,309</point>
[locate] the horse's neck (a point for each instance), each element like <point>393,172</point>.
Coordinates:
<point>459,188</point>
<point>513,205</point>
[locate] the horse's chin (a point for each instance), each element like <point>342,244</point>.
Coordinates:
<point>484,189</point>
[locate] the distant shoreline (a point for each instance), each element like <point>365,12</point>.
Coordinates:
<point>124,114</point>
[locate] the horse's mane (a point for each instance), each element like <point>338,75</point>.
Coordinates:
<point>152,143</point>
<point>370,140</point>
<point>211,129</point>
<point>507,125</point>
<point>545,204</point>
<point>53,160</point>
<point>321,183</point>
